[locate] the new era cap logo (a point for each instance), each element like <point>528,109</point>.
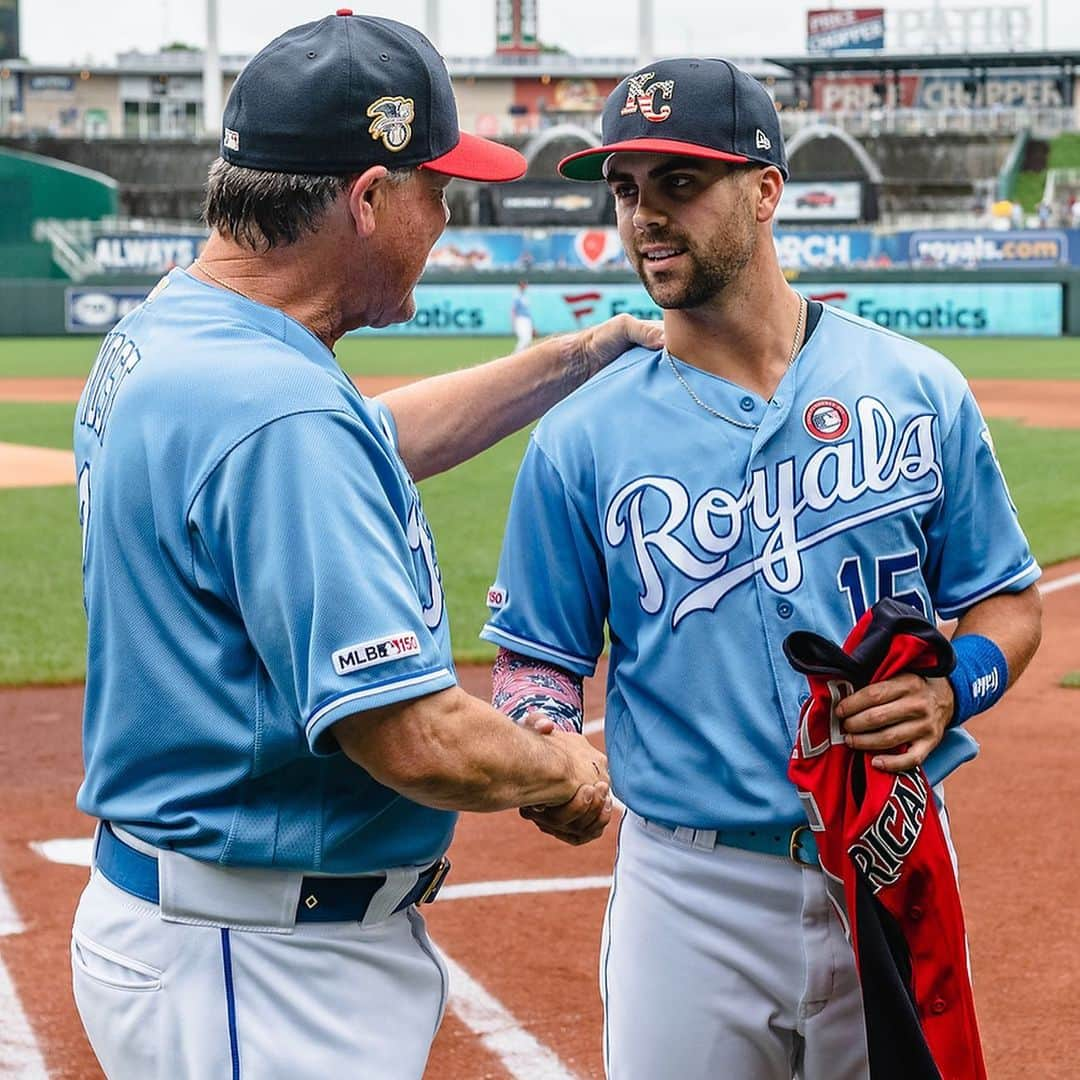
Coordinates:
<point>641,97</point>
<point>392,121</point>
<point>761,140</point>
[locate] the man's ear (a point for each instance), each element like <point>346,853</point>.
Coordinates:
<point>366,191</point>
<point>770,187</point>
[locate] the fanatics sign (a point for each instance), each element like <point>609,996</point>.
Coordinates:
<point>845,30</point>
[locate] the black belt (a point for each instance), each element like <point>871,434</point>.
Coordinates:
<point>322,899</point>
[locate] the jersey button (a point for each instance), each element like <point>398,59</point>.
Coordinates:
<point>938,1006</point>
<point>804,698</point>
<point>784,609</point>
<point>747,404</point>
<point>915,913</point>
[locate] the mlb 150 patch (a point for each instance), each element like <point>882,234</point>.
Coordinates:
<point>384,650</point>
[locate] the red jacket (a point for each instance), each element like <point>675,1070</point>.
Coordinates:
<point>884,852</point>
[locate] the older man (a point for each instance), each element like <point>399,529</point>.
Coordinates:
<point>275,741</point>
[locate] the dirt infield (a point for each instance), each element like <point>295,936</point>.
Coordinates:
<point>536,955</point>
<point>35,466</point>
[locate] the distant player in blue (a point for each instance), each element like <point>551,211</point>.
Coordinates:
<point>779,465</point>
<point>521,319</point>
<point>274,738</point>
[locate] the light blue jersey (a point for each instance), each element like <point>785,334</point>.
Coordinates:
<point>257,566</point>
<point>519,309</point>
<point>703,542</point>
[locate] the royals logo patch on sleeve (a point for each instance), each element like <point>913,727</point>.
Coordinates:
<point>367,654</point>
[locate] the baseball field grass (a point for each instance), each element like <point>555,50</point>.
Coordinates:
<point>977,358</point>
<point>42,628</point>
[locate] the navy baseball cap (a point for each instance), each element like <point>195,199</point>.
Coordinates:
<point>694,108</point>
<point>350,91</point>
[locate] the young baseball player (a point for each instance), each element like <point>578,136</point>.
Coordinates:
<point>274,738</point>
<point>780,464</point>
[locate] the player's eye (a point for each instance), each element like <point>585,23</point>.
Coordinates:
<point>679,181</point>
<point>624,191</point>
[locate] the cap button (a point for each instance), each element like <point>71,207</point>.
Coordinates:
<point>343,11</point>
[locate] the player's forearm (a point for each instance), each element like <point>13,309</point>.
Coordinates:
<point>1013,621</point>
<point>452,751</point>
<point>446,419</point>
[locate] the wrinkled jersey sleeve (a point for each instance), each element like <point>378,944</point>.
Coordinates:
<point>976,545</point>
<point>302,528</point>
<point>549,600</point>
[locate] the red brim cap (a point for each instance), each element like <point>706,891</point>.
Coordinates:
<point>475,158</point>
<point>589,164</point>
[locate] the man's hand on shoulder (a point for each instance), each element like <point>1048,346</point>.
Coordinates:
<point>593,349</point>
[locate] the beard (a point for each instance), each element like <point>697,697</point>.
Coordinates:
<point>706,270</point>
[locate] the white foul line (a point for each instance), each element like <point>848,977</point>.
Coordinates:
<point>10,923</point>
<point>20,1056</point>
<point>524,1057</point>
<point>472,889</point>
<point>1061,583</point>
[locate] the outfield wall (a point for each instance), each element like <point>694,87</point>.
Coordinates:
<point>1037,303</point>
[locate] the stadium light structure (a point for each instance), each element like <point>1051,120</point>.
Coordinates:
<point>646,52</point>
<point>431,22</point>
<point>212,104</point>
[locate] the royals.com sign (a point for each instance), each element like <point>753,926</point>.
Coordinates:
<point>914,309</point>
<point>978,250</point>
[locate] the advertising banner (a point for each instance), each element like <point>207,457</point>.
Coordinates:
<point>541,249</point>
<point>97,309</point>
<point>825,200</point>
<point>982,250</point>
<point>914,309</point>
<point>146,254</point>
<point>855,93</point>
<point>950,310</point>
<point>546,202</point>
<point>798,249</point>
<point>839,30</point>
<point>824,249</point>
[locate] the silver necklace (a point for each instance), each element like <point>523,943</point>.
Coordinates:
<point>796,342</point>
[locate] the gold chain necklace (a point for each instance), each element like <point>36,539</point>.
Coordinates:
<point>224,284</point>
<point>796,342</point>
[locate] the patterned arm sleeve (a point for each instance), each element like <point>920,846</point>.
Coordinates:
<point>521,685</point>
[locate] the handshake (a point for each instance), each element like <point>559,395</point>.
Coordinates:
<point>586,814</point>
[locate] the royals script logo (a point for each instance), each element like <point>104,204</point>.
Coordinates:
<point>878,472</point>
<point>641,96</point>
<point>418,537</point>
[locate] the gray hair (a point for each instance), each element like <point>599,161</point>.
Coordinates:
<point>261,210</point>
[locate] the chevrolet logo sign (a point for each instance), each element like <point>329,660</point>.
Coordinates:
<point>570,203</point>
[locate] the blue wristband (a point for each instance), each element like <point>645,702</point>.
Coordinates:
<point>980,676</point>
